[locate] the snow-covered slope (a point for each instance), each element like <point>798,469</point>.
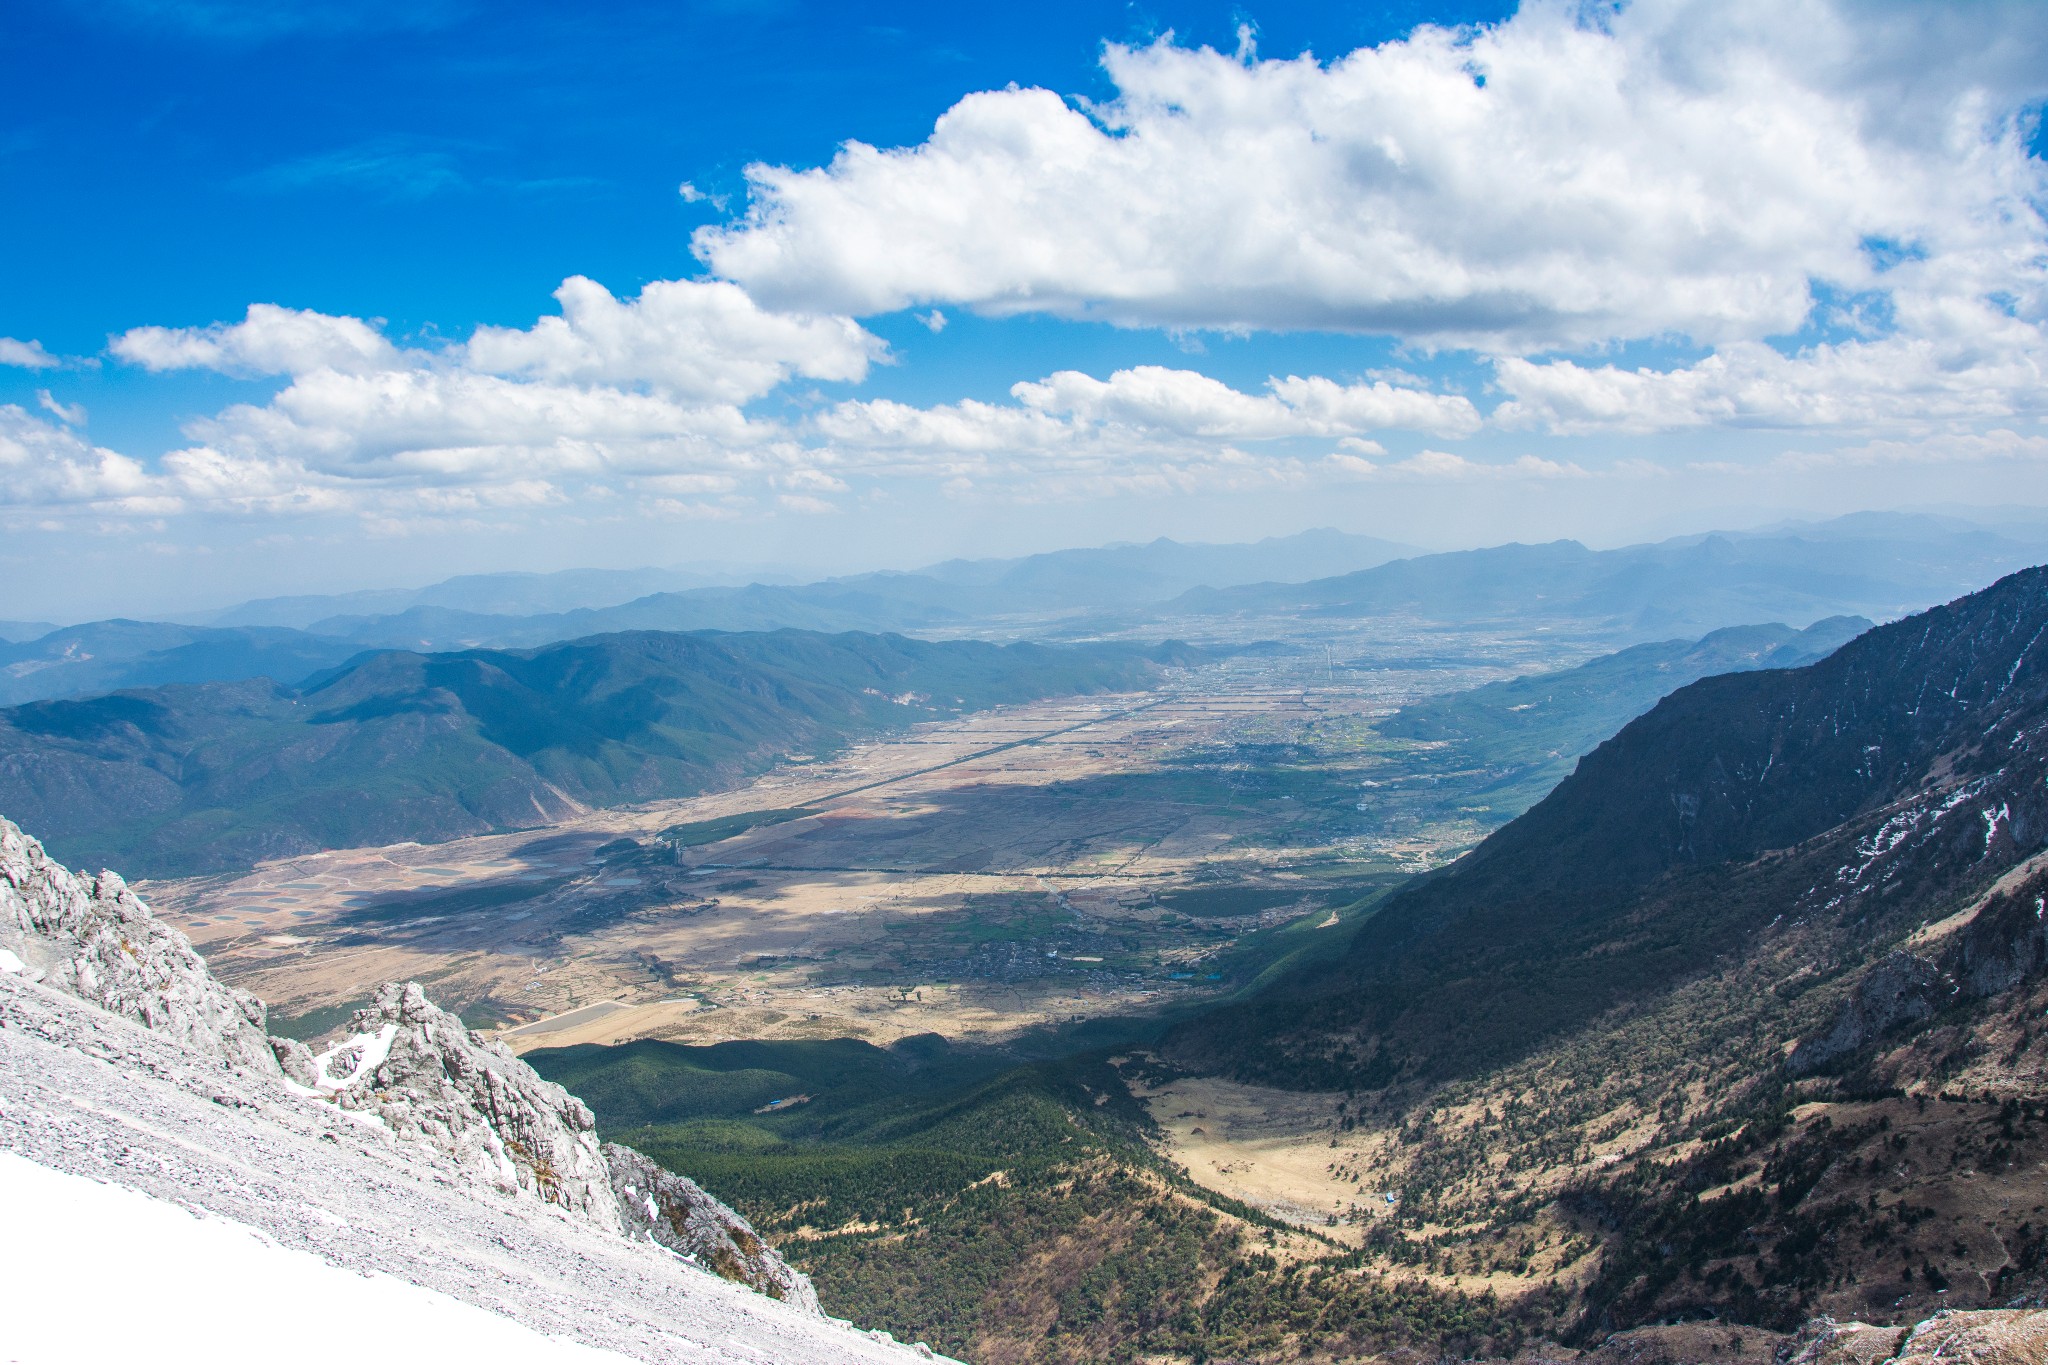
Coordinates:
<point>413,1149</point>
<point>90,1094</point>
<point>177,1268</point>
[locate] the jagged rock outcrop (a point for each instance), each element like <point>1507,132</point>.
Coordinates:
<point>2003,944</point>
<point>96,940</point>
<point>428,1079</point>
<point>1995,1336</point>
<point>676,1212</point>
<point>1902,989</point>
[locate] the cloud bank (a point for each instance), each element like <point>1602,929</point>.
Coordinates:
<point>1577,175</point>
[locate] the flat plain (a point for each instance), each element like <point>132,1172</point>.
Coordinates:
<point>1027,867</point>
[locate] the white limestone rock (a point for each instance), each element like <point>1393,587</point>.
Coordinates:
<point>96,940</point>
<point>428,1079</point>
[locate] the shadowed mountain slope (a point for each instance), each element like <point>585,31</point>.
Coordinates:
<point>1915,749</point>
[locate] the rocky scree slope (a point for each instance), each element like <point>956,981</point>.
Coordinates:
<point>109,1019</point>
<point>96,940</point>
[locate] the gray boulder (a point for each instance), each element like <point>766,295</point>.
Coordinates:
<point>676,1213</point>
<point>96,940</point>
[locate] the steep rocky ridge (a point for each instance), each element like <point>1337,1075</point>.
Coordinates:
<point>96,940</point>
<point>676,1212</point>
<point>1742,1024</point>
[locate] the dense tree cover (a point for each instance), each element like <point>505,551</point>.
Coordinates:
<point>397,745</point>
<point>1003,1213</point>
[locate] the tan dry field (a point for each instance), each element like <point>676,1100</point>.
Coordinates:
<point>972,877</point>
<point>1277,1150</point>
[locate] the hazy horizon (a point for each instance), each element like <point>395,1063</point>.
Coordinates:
<point>794,572</point>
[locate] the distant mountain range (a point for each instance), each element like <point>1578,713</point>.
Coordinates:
<point>1877,565</point>
<point>289,639</point>
<point>1530,731</point>
<point>498,594</point>
<point>395,746</point>
<point>1061,580</point>
<point>12,631</point>
<point>105,656</point>
<point>1874,565</point>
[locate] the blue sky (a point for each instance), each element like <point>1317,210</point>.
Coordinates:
<point>1469,273</point>
<point>444,164</point>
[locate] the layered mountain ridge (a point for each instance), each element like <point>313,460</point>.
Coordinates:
<point>428,747</point>
<point>1869,564</point>
<point>1914,757</point>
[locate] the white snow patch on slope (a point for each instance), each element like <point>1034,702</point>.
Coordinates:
<point>369,1050</point>
<point>167,1267</point>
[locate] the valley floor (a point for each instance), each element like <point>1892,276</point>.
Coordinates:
<point>1029,867</point>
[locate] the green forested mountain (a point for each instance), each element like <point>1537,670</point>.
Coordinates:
<point>174,780</point>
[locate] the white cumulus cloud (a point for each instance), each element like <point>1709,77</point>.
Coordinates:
<point>44,464</point>
<point>26,355</point>
<point>1186,403</point>
<point>703,339</point>
<point>269,340</point>
<point>1994,367</point>
<point>1573,175</point>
